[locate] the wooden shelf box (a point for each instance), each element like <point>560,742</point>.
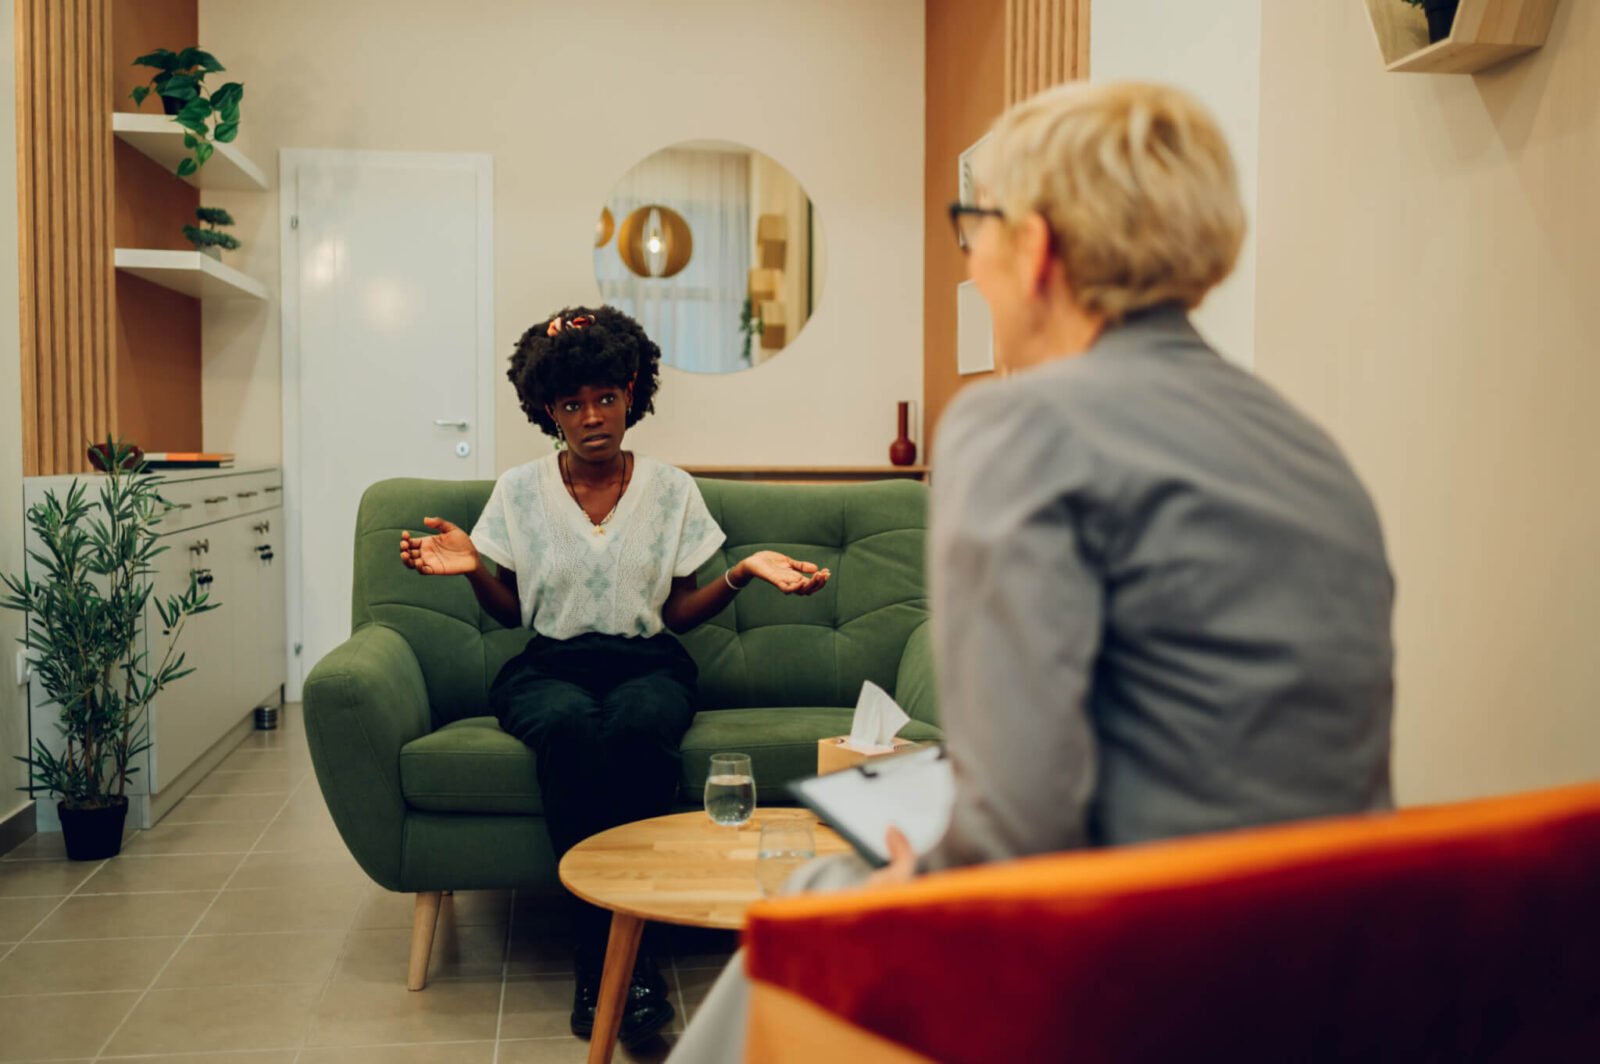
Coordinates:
<point>1485,32</point>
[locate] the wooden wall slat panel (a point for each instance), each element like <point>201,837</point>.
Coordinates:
<point>64,185</point>
<point>24,25</point>
<point>983,56</point>
<point>1047,43</point>
<point>104,283</point>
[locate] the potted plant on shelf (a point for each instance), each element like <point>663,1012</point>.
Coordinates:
<point>208,238</point>
<point>180,82</point>
<point>85,625</point>
<point>749,326</point>
<point>1441,16</point>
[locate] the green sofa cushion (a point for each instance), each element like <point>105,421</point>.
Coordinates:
<point>471,766</point>
<point>782,744</point>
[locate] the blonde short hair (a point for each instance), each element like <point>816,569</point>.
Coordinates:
<point>1136,183</point>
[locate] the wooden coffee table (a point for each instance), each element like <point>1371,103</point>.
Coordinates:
<point>679,869</point>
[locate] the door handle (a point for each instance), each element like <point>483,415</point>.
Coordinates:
<point>451,423</point>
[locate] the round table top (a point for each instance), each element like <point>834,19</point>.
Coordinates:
<point>680,869</point>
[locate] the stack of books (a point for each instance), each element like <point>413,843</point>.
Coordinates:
<point>188,460</point>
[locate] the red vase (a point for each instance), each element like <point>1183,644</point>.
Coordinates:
<point>902,451</point>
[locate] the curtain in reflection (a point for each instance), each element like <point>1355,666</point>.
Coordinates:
<point>693,315</point>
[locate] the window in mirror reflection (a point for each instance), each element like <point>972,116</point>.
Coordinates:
<point>717,252</point>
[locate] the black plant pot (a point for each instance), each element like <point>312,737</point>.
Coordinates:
<point>172,105</point>
<point>93,834</point>
<point>1441,16</point>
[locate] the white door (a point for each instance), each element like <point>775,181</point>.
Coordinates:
<point>388,354</point>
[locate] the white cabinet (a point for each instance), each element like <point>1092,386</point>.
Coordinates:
<point>226,526</point>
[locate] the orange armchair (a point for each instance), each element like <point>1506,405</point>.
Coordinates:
<point>1451,933</point>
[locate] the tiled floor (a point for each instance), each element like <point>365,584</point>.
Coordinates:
<point>240,930</point>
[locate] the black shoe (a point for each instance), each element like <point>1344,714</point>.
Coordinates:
<point>648,1007</point>
<point>645,1011</point>
<point>585,997</point>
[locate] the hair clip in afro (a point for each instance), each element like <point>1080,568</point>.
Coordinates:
<point>581,321</point>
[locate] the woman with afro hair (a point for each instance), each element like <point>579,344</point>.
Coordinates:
<point>595,549</point>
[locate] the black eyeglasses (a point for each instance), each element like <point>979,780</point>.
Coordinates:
<point>959,210</point>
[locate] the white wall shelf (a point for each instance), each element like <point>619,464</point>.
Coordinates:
<point>161,138</point>
<point>191,273</point>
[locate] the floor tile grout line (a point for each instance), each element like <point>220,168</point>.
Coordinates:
<point>344,947</point>
<point>54,909</point>
<point>192,928</point>
<point>677,982</point>
<point>505,970</point>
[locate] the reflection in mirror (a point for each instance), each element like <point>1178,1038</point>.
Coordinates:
<point>716,250</point>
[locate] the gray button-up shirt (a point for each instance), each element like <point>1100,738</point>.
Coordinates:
<point>1161,604</point>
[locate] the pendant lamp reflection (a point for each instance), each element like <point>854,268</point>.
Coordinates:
<point>604,227</point>
<point>654,241</point>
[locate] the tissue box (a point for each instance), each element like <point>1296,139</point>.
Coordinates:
<point>832,755</point>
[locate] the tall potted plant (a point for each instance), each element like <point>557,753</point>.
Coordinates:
<point>86,616</point>
<point>180,81</point>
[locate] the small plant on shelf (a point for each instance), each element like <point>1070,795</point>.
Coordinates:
<point>1441,16</point>
<point>85,602</point>
<point>749,326</point>
<point>180,82</point>
<point>208,237</point>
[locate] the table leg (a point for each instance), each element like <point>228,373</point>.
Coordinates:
<point>622,949</point>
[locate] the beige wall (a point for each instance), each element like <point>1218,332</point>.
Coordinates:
<point>13,713</point>
<point>1213,50</point>
<point>1429,289</point>
<point>567,97</point>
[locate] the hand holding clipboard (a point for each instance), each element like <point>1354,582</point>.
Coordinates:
<point>914,792</point>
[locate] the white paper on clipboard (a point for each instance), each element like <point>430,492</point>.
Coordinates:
<point>914,792</point>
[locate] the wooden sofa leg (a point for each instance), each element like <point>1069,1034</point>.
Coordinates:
<point>424,918</point>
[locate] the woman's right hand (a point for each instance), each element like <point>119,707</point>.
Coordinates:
<point>449,552</point>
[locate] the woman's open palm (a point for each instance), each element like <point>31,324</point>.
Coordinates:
<point>786,574</point>
<point>449,552</point>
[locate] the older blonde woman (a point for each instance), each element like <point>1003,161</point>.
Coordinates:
<point>1160,598</point>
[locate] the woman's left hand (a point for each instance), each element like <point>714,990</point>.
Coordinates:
<point>784,573</point>
<point>902,866</point>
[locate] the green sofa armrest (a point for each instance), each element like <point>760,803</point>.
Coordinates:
<point>363,702</point>
<point>914,687</point>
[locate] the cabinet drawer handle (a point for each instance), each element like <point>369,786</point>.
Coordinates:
<point>217,499</point>
<point>180,505</point>
<point>275,487</point>
<point>248,494</point>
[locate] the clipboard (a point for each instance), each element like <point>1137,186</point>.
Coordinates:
<point>913,791</point>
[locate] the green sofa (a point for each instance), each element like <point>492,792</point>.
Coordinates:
<point>431,796</point>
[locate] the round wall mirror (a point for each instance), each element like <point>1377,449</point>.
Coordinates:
<point>716,251</point>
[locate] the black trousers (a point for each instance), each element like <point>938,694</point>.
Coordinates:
<point>604,716</point>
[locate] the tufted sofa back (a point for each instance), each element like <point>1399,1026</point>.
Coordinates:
<point>765,650</point>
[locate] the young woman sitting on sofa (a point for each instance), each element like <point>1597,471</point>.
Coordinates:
<point>596,549</point>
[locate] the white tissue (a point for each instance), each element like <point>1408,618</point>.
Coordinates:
<point>878,717</point>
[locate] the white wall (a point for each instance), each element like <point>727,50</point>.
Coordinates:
<point>13,707</point>
<point>567,97</point>
<point>1213,50</point>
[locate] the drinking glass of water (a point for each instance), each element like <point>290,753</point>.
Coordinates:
<point>730,790</point>
<point>785,846</point>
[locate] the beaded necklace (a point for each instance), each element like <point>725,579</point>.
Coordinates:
<point>566,478</point>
